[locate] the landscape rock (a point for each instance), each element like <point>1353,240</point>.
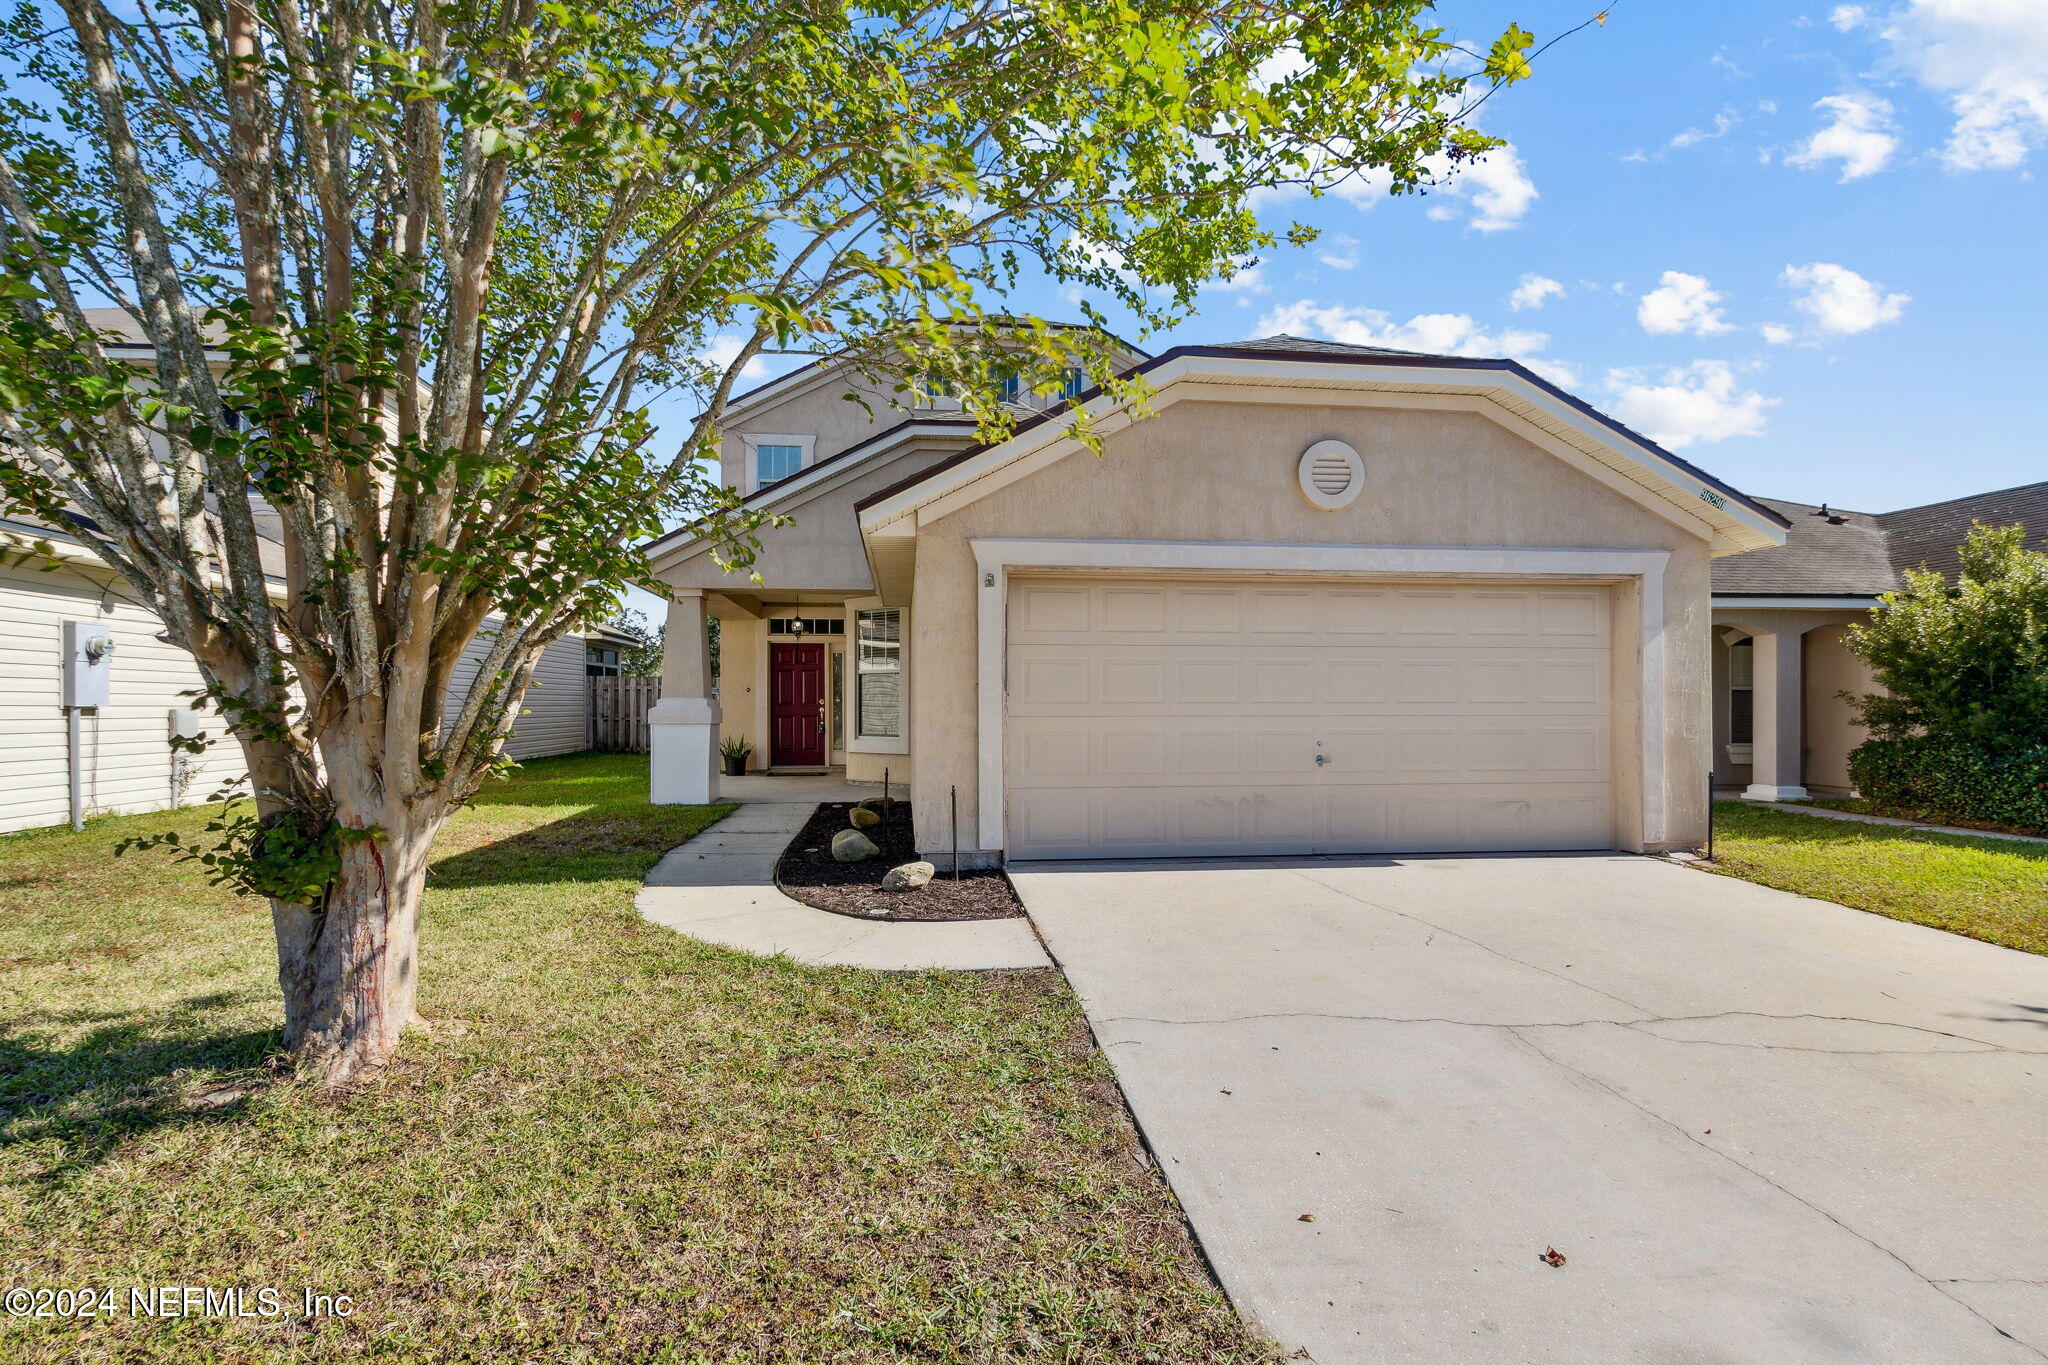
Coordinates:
<point>908,877</point>
<point>863,818</point>
<point>880,805</point>
<point>851,846</point>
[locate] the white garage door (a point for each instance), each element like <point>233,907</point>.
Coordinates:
<point>1152,717</point>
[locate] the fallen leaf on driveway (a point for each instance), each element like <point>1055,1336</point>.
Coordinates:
<point>1306,1218</point>
<point>1552,1256</point>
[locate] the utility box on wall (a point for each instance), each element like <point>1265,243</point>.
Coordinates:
<point>88,664</point>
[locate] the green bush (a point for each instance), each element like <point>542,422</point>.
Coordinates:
<point>1951,780</point>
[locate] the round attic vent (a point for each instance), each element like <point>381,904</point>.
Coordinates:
<point>1332,475</point>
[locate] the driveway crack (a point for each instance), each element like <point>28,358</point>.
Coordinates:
<point>1482,947</point>
<point>1644,1026</point>
<point>1930,1281</point>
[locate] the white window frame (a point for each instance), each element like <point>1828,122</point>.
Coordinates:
<point>1742,750</point>
<point>856,741</point>
<point>754,440</point>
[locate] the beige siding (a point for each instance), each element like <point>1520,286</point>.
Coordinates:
<point>127,757</point>
<point>1832,734</point>
<point>126,751</point>
<point>555,715</point>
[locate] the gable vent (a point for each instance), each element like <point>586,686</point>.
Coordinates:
<point>1331,474</point>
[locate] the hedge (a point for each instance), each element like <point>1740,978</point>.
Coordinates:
<point>1956,781</point>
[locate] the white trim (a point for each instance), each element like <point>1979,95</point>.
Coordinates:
<point>752,441</point>
<point>1796,603</point>
<point>1651,476</point>
<point>1304,471</point>
<point>898,743</point>
<point>1765,792</point>
<point>996,560</point>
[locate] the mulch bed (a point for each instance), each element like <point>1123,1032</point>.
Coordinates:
<point>808,872</point>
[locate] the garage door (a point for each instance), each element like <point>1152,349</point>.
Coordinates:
<point>1175,718</point>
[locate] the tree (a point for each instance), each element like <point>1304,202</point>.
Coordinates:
<point>411,273</point>
<point>643,658</point>
<point>1966,662</point>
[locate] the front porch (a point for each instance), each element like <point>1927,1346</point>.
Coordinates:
<point>1783,729</point>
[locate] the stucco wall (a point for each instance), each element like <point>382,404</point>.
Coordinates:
<point>1226,472</point>
<point>1831,734</point>
<point>820,549</point>
<point>822,410</point>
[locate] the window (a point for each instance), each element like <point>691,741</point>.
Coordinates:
<point>600,662</point>
<point>838,686</point>
<point>777,462</point>
<point>878,674</point>
<point>812,625</point>
<point>1012,387</point>
<point>1742,692</point>
<point>1074,384</point>
<point>772,458</point>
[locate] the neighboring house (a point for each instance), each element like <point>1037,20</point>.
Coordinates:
<point>1782,729</point>
<point>126,760</point>
<point>1328,598</point>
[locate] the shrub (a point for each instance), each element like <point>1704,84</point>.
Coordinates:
<point>1964,662</point>
<point>1952,780</point>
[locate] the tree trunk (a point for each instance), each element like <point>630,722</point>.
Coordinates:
<point>349,967</point>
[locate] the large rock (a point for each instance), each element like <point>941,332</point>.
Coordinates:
<point>881,805</point>
<point>908,877</point>
<point>851,846</point>
<point>863,818</point>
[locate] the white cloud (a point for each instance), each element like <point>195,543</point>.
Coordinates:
<point>723,349</point>
<point>1848,17</point>
<point>1500,190</point>
<point>1249,279</point>
<point>1697,403</point>
<point>1990,59</point>
<point>1777,333</point>
<point>1533,291</point>
<point>1340,251</point>
<point>1839,301</point>
<point>1435,333</point>
<point>1681,303</point>
<point>1858,134</point>
<point>1724,123</point>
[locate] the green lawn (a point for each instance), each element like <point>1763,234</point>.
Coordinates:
<point>1991,889</point>
<point>616,1144</point>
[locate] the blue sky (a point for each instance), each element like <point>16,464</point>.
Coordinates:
<point>1802,246</point>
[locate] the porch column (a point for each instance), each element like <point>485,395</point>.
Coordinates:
<point>682,727</point>
<point>1778,765</point>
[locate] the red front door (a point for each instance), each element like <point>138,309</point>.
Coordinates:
<point>796,706</point>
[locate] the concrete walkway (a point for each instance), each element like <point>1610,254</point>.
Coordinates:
<point>720,887</point>
<point>1756,1127</point>
<point>1825,814</point>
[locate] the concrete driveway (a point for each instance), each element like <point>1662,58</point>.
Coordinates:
<point>1757,1127</point>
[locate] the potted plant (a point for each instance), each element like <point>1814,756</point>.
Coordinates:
<point>734,751</point>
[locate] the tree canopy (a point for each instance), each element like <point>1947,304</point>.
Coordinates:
<point>409,276</point>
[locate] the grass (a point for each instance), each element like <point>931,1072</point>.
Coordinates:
<point>1986,888</point>
<point>616,1144</point>
<point>1860,805</point>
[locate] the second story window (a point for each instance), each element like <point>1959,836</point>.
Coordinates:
<point>1011,387</point>
<point>1075,382</point>
<point>778,462</point>
<point>772,458</point>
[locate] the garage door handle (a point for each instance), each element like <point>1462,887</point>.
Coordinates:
<point>1321,759</point>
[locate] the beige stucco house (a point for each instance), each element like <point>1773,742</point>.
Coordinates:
<point>1782,728</point>
<point>1324,598</point>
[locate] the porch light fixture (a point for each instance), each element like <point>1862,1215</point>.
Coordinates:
<point>796,625</point>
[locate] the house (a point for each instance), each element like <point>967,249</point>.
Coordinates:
<point>125,759</point>
<point>1326,598</point>
<point>1782,728</point>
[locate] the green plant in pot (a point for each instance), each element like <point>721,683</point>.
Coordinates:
<point>734,750</point>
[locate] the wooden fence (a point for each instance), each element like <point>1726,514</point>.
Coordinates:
<point>618,713</point>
